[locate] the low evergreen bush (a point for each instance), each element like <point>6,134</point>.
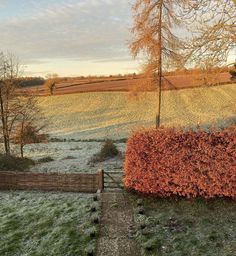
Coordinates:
<point>12,163</point>
<point>108,150</point>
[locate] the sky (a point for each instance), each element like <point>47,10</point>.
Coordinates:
<point>68,37</point>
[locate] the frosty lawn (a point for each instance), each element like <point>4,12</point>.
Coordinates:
<point>183,228</point>
<point>56,224</point>
<point>71,157</point>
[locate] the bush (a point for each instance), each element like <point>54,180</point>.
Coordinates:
<point>30,81</point>
<point>192,164</point>
<point>45,160</point>
<point>108,150</point>
<point>232,73</point>
<point>12,163</point>
<point>69,158</point>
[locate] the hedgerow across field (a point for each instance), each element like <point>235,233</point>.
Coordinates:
<point>52,224</point>
<point>116,114</point>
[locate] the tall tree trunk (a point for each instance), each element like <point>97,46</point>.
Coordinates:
<point>158,117</point>
<point>22,139</point>
<point>22,150</point>
<point>4,127</point>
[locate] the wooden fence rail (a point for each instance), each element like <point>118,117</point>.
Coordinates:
<point>113,180</point>
<point>67,182</point>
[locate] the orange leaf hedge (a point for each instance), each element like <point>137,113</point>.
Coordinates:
<point>166,162</point>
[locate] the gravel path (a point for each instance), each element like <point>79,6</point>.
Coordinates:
<point>116,228</point>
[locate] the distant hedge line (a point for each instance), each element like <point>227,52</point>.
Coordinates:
<point>30,81</point>
<point>191,164</point>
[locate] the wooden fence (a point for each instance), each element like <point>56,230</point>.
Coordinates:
<point>69,182</point>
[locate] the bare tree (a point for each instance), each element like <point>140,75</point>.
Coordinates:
<point>208,73</point>
<point>50,83</point>
<point>154,34</point>
<point>30,123</point>
<point>9,71</point>
<point>214,30</point>
<point>17,109</point>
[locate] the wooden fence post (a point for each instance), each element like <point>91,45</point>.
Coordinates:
<point>101,180</point>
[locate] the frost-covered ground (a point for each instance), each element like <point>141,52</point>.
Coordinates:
<point>46,224</point>
<point>71,157</point>
<point>115,115</point>
<point>59,223</point>
<point>181,227</point>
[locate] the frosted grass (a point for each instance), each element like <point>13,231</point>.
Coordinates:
<point>115,115</point>
<point>52,224</point>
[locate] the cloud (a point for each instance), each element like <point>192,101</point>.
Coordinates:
<point>114,59</point>
<point>3,3</point>
<point>85,30</point>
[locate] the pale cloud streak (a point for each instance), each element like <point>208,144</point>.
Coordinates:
<point>72,30</point>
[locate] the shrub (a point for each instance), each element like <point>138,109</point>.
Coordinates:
<point>92,232</point>
<point>90,250</point>
<point>69,158</point>
<point>232,73</point>
<point>192,164</point>
<point>95,219</point>
<point>75,149</point>
<point>56,140</point>
<point>46,159</point>
<point>150,244</point>
<point>108,150</point>
<point>12,163</point>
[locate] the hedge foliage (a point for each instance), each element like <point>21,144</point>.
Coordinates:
<point>191,164</point>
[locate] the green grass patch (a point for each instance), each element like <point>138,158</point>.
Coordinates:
<point>52,224</point>
<point>179,228</point>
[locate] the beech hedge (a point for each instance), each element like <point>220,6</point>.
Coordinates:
<point>166,162</point>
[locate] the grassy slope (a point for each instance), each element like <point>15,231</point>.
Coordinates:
<point>99,115</point>
<point>183,228</point>
<point>42,224</point>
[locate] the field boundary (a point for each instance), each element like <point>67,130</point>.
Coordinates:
<point>175,82</point>
<point>65,182</point>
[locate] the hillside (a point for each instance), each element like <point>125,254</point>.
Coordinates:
<point>99,115</point>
